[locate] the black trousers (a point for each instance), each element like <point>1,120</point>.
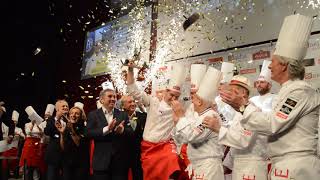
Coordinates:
<point>72,172</point>
<point>28,173</point>
<point>116,171</point>
<point>3,172</point>
<point>53,172</point>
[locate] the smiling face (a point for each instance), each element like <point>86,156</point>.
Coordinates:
<point>108,99</point>
<point>129,104</point>
<point>75,114</point>
<point>278,69</point>
<point>62,107</point>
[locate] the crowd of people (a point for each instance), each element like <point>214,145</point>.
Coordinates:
<point>222,133</point>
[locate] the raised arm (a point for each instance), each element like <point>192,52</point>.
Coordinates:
<point>133,90</point>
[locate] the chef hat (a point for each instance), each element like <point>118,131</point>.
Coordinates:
<point>50,109</point>
<point>99,105</point>
<point>178,76</point>
<point>293,37</point>
<point>33,115</point>
<point>79,105</point>
<point>15,116</point>
<point>265,74</point>
<point>107,85</point>
<point>209,85</point>
<point>241,81</point>
<point>227,71</point>
<point>197,72</point>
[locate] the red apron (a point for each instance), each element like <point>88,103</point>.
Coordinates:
<point>32,154</point>
<point>184,162</point>
<point>11,153</point>
<point>159,160</point>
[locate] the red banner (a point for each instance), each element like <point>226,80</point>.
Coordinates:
<point>217,59</point>
<point>261,55</point>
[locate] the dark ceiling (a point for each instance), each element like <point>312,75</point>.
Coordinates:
<point>58,28</point>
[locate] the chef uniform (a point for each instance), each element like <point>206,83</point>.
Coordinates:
<point>31,152</point>
<point>158,151</point>
<point>264,102</point>
<point>248,149</point>
<point>292,123</point>
<point>204,152</point>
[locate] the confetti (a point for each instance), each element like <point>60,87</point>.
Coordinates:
<point>37,51</point>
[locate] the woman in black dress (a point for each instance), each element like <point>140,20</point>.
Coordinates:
<point>75,147</point>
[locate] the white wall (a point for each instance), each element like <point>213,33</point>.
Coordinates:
<point>232,24</point>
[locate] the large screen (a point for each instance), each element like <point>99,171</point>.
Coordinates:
<point>107,46</point>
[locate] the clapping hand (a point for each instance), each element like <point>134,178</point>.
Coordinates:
<point>212,123</point>
<point>59,126</point>
<point>120,128</point>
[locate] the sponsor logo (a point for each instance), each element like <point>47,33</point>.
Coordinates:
<point>217,59</point>
<point>291,102</point>
<point>283,174</point>
<point>285,109</point>
<point>281,115</point>
<point>239,56</point>
<point>247,132</point>
<point>261,55</point>
<point>248,71</point>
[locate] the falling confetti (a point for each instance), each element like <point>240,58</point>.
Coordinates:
<point>37,51</point>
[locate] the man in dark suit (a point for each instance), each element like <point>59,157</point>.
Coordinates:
<point>53,154</point>
<point>4,118</point>
<point>137,121</point>
<point>110,129</point>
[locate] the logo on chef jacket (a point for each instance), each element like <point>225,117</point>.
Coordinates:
<point>285,109</point>
<point>291,102</point>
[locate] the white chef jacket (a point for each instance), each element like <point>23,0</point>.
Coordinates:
<point>5,130</point>
<point>159,122</point>
<point>204,152</point>
<point>34,132</point>
<point>45,139</point>
<point>18,131</point>
<point>293,129</point>
<point>264,102</point>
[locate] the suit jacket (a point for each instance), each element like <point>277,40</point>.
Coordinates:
<point>138,132</point>
<point>135,148</point>
<point>53,154</point>
<point>7,121</point>
<point>110,146</point>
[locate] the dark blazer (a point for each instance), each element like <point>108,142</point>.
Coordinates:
<point>7,121</point>
<point>135,148</point>
<point>111,147</point>
<point>73,155</point>
<point>53,154</point>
